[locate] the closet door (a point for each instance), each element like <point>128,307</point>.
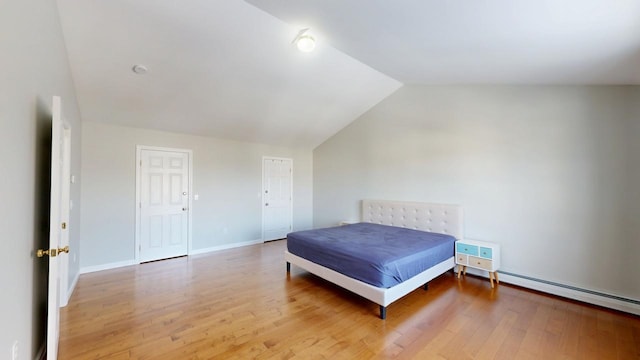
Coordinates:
<point>164,201</point>
<point>277,198</point>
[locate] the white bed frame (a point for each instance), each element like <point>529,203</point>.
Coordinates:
<point>438,218</point>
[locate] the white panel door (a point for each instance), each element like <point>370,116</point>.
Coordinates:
<point>56,227</point>
<point>277,198</point>
<point>65,212</point>
<point>164,200</point>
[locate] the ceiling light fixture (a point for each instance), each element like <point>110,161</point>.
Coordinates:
<point>140,69</point>
<point>304,42</point>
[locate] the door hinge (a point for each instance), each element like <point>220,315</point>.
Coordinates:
<point>140,205</point>
<point>64,225</point>
<point>140,163</point>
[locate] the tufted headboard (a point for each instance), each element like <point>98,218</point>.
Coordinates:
<point>438,218</point>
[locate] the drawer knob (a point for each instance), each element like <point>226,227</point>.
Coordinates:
<point>478,262</point>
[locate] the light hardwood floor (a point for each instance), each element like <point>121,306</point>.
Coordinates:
<point>241,304</point>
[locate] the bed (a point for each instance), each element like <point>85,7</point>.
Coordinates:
<point>409,219</point>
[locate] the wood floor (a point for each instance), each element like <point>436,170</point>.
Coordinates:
<point>240,304</point>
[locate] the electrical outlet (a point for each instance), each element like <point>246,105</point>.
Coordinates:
<point>14,351</point>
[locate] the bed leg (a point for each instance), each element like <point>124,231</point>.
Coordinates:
<point>383,312</point>
<point>426,286</point>
<point>288,266</point>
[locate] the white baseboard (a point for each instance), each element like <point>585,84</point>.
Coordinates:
<point>225,247</point>
<point>90,269</point>
<point>588,296</point>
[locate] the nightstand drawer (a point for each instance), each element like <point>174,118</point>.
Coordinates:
<point>466,249</point>
<point>462,259</point>
<point>481,263</point>
<point>486,252</point>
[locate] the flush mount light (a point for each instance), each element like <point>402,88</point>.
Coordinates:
<point>304,42</point>
<point>140,69</point>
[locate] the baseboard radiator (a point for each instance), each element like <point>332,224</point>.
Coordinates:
<point>611,301</point>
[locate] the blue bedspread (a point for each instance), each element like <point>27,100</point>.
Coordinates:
<point>379,255</point>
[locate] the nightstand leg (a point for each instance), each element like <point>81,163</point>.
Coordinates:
<point>491,278</point>
<point>459,271</point>
<point>495,275</point>
<point>464,270</point>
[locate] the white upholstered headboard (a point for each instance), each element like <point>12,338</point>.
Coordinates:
<point>438,218</point>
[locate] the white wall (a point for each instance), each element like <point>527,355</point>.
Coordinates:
<point>33,68</point>
<point>227,175</point>
<point>551,173</point>
<point>631,250</point>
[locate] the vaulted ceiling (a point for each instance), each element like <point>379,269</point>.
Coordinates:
<point>228,69</point>
<point>480,41</point>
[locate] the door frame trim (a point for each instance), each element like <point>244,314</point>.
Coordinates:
<point>139,149</point>
<point>262,192</point>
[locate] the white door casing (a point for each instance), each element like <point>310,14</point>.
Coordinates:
<point>163,194</point>
<point>277,197</point>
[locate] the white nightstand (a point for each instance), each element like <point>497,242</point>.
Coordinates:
<point>481,255</point>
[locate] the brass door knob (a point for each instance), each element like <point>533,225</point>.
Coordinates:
<point>52,252</point>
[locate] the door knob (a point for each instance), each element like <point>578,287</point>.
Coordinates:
<point>41,253</point>
<point>63,250</point>
<point>184,209</point>
<point>267,204</point>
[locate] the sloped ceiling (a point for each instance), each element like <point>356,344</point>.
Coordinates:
<point>480,41</point>
<point>227,68</point>
<point>216,68</point>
